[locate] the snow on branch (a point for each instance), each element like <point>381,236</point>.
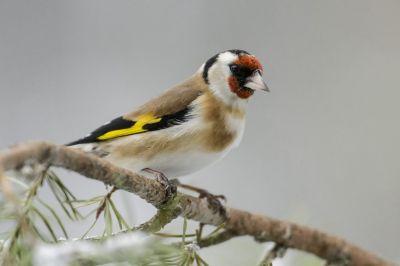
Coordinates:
<point>236,222</point>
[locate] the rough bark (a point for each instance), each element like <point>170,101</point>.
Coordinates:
<point>238,222</point>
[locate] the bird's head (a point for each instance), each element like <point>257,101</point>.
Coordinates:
<point>234,74</point>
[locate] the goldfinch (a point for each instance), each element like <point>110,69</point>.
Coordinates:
<point>189,126</point>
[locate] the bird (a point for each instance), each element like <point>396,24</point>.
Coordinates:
<point>188,127</point>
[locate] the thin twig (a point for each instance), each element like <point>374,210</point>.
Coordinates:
<point>163,217</point>
<point>215,239</point>
<point>278,251</point>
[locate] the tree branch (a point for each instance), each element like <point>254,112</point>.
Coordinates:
<point>216,239</point>
<point>275,252</point>
<point>163,217</point>
<point>286,234</point>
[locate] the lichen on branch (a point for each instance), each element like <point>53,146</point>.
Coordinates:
<point>237,222</point>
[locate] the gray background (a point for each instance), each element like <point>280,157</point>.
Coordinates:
<point>321,149</point>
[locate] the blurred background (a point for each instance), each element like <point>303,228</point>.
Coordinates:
<point>321,149</point>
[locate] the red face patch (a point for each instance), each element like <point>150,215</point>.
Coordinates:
<point>235,88</point>
<point>249,62</point>
<point>245,61</point>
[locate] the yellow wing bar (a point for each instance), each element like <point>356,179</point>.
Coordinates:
<point>134,129</point>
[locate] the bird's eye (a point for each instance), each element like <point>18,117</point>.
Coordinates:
<point>233,68</point>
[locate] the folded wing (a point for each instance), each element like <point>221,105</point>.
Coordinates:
<point>170,109</point>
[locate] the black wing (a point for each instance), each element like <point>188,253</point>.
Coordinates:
<point>120,126</point>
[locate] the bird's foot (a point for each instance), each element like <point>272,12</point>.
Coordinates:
<point>214,201</point>
<point>170,186</point>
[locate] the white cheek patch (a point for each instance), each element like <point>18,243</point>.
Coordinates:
<point>218,75</point>
<point>219,72</point>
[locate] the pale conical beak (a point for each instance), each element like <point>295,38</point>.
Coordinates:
<point>256,82</point>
